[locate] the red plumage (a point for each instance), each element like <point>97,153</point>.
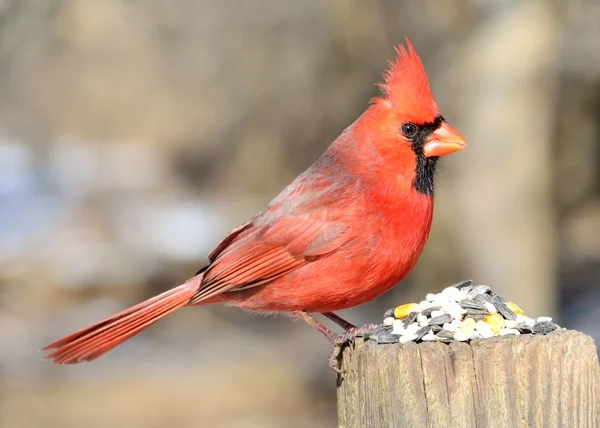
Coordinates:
<point>344,232</point>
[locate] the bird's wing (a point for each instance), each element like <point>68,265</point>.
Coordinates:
<point>260,253</point>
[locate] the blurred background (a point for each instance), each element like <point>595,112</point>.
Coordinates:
<point>135,134</point>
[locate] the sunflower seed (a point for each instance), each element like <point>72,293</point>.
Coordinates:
<point>543,327</point>
<point>505,311</point>
<point>440,319</point>
<point>470,304</point>
<point>480,289</point>
<point>488,298</point>
<point>427,312</point>
<point>477,316</point>
<point>411,318</point>
<point>388,338</point>
<point>463,284</point>
<point>524,327</point>
<point>388,313</point>
<point>436,328</point>
<point>498,298</point>
<point>474,312</point>
<point>422,332</point>
<point>446,334</point>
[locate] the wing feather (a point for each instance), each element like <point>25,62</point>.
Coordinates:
<point>308,220</point>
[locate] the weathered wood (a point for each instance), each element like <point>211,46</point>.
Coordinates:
<point>512,381</point>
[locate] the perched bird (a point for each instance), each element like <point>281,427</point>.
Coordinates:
<point>342,233</point>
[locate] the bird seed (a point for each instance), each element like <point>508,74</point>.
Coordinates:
<point>460,313</point>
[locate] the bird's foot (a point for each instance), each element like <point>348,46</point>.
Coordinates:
<point>347,338</point>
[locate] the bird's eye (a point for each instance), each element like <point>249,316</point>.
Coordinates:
<point>409,129</point>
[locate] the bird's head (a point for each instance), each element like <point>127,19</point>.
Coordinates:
<point>409,130</point>
<point>409,109</point>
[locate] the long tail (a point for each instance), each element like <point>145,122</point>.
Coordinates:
<point>97,339</point>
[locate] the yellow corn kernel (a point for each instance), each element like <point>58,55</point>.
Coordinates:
<point>402,311</point>
<point>468,326</point>
<point>495,321</point>
<point>513,307</point>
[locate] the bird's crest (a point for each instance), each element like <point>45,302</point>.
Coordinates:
<point>406,86</point>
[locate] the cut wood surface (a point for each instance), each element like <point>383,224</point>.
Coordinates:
<point>511,381</point>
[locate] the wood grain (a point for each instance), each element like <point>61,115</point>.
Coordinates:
<point>512,381</point>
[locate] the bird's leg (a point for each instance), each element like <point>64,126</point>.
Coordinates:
<point>351,328</point>
<point>339,320</point>
<point>338,340</point>
<point>329,334</point>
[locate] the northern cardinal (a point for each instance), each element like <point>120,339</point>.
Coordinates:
<point>342,233</point>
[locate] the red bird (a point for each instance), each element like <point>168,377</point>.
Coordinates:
<point>344,232</point>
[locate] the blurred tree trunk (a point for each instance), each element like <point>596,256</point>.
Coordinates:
<point>503,187</point>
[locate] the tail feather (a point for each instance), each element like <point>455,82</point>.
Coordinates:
<point>94,341</point>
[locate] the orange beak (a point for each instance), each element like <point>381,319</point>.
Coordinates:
<point>443,141</point>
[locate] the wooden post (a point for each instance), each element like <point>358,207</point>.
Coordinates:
<point>511,381</point>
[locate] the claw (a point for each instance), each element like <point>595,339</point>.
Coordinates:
<point>341,340</point>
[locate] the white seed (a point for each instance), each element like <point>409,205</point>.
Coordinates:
<point>424,304</point>
<point>398,327</point>
<point>411,329</point>
<point>509,331</point>
<point>450,291</point>
<point>408,338</point>
<point>429,337</point>
<point>529,321</point>
<point>456,322</point>
<point>457,316</point>
<point>451,307</point>
<point>484,329</point>
<point>436,313</point>
<point>440,299</point>
<point>422,320</point>
<point>388,321</point>
<point>430,297</point>
<point>511,323</point>
<point>450,327</point>
<point>461,337</point>
<point>461,295</point>
<point>475,335</point>
<point>486,334</point>
<point>490,308</point>
<point>520,318</point>
<point>542,319</point>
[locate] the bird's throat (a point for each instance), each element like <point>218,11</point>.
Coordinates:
<point>424,174</point>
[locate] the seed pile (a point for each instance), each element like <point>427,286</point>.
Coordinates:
<point>461,312</point>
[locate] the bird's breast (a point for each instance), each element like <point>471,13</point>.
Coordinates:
<point>386,246</point>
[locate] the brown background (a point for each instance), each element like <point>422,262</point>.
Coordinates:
<point>135,134</point>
